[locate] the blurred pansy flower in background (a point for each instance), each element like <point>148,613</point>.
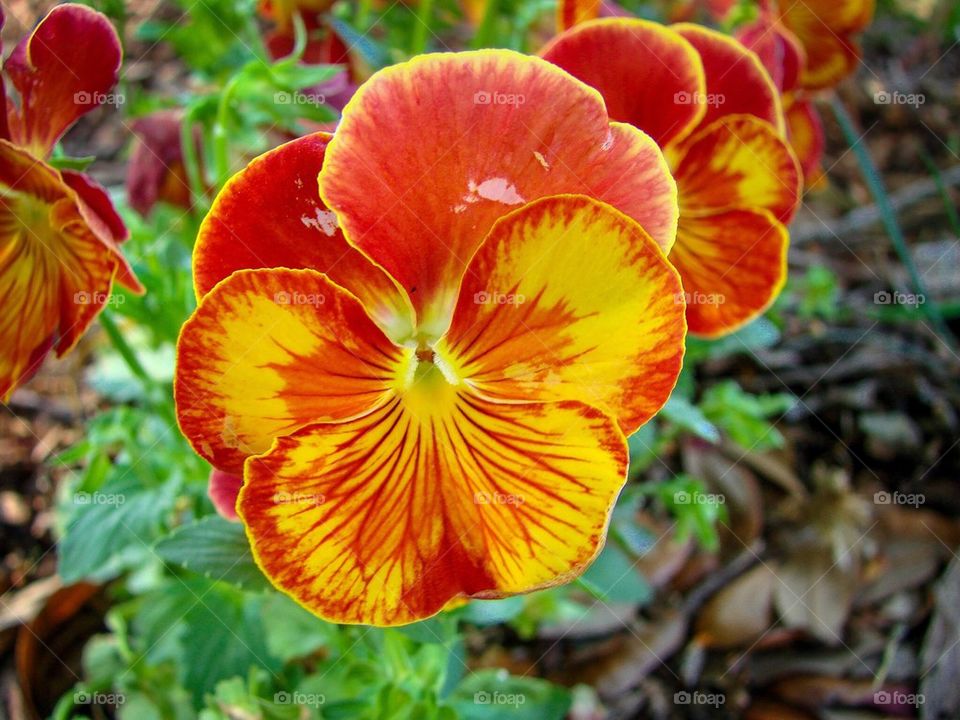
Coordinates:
<point>716,113</point>
<point>59,247</point>
<point>425,374</point>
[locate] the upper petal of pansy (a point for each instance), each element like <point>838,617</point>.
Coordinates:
<point>824,28</point>
<point>737,82</point>
<point>55,273</point>
<point>269,351</point>
<point>388,518</point>
<point>737,161</point>
<point>571,13</point>
<point>570,299</point>
<point>778,49</point>
<point>733,265</point>
<point>270,215</point>
<point>62,70</point>
<point>649,75</point>
<point>471,137</point>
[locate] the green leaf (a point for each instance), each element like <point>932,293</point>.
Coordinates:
<point>689,417</point>
<point>291,631</point>
<point>495,694</point>
<point>614,575</point>
<point>215,548</point>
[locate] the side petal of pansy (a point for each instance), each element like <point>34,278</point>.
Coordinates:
<point>649,75</point>
<point>473,136</point>
<point>805,130</point>
<point>388,518</point>
<point>737,161</point>
<point>569,299</point>
<point>825,29</point>
<point>62,70</point>
<point>270,215</point>
<point>733,265</point>
<point>223,489</point>
<point>55,273</point>
<point>736,80</point>
<point>269,351</point>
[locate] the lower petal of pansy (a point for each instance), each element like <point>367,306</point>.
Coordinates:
<point>473,136</point>
<point>570,299</point>
<point>269,351</point>
<point>270,215</point>
<point>737,82</point>
<point>649,75</point>
<point>737,161</point>
<point>733,265</point>
<point>389,518</point>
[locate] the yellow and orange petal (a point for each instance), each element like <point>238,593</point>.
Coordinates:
<point>270,215</point>
<point>649,75</point>
<point>736,80</point>
<point>66,67</point>
<point>55,270</point>
<point>826,28</point>
<point>738,161</point>
<point>777,48</point>
<point>269,351</point>
<point>569,299</point>
<point>389,518</point>
<point>472,137</point>
<point>733,265</point>
<point>571,13</point>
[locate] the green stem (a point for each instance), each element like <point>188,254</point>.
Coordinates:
<point>363,14</point>
<point>221,154</point>
<point>952,215</point>
<point>424,20</point>
<point>190,161</point>
<point>484,33</point>
<point>874,182</point>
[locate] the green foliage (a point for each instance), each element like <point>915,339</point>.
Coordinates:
<point>695,511</point>
<point>744,417</point>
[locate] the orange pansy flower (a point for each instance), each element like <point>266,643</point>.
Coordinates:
<point>59,232</point>
<point>715,112</point>
<point>783,57</point>
<point>425,374</point>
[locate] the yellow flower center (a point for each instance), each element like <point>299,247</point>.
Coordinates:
<point>426,382</point>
